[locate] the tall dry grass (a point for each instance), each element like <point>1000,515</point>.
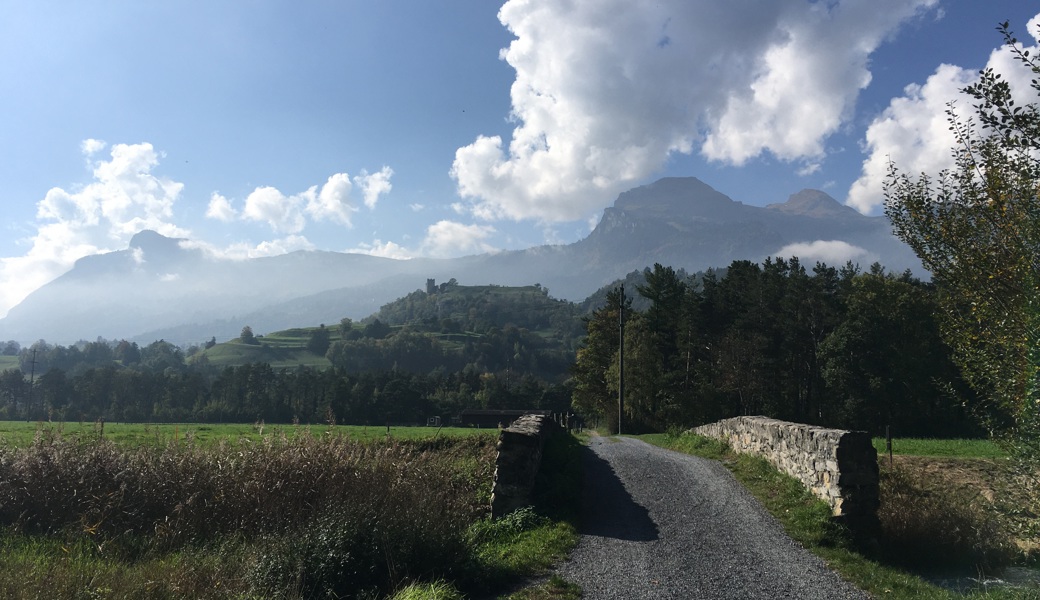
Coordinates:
<point>307,516</point>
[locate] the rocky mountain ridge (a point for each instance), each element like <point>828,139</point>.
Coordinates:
<point>161,287</point>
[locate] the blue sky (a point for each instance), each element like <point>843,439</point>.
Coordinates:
<point>427,128</point>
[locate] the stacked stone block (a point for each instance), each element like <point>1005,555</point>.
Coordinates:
<point>836,465</point>
<point>519,456</point>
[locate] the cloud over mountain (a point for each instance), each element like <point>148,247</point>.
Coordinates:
<point>334,202</point>
<point>605,92</point>
<point>914,131</point>
<point>123,198</point>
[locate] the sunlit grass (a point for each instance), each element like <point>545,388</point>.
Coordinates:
<point>954,448</point>
<point>34,567</point>
<point>21,433</point>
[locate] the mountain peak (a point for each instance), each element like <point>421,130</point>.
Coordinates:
<point>152,242</point>
<point>676,196</point>
<point>814,203</point>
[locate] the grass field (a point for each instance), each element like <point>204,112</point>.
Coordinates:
<point>8,362</point>
<point>953,448</point>
<point>288,348</point>
<point>277,351</point>
<point>20,433</point>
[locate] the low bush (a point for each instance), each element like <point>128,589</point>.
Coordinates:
<point>523,519</point>
<point>360,551</point>
<point>182,493</point>
<point>923,528</point>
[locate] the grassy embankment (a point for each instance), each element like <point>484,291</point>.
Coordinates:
<point>286,513</point>
<point>927,525</point>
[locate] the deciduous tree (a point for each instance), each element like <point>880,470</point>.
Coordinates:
<point>976,227</point>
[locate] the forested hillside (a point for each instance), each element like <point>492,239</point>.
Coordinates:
<point>425,355</point>
<point>830,346</point>
<point>454,328</point>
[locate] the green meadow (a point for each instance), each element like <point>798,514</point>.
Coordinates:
<point>951,448</point>
<point>20,433</point>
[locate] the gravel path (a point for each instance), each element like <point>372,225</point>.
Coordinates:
<point>660,524</point>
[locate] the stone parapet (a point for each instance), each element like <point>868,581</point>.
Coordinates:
<point>837,466</point>
<point>519,457</point>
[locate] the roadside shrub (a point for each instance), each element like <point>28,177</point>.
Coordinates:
<point>508,526</point>
<point>355,552</point>
<point>925,528</point>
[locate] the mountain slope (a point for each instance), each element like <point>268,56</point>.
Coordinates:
<point>165,288</point>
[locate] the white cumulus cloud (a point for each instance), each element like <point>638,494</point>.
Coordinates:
<point>384,249</point>
<point>284,214</point>
<point>125,196</point>
<point>374,185</point>
<point>913,132</point>
<point>290,213</point>
<point>90,146</point>
<point>220,208</point>
<point>333,202</point>
<point>449,238</point>
<point>831,252</point>
<point>246,250</point>
<point>605,91</point>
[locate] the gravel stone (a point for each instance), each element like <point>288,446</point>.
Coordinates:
<point>661,524</point>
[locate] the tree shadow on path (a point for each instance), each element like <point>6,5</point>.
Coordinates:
<point>608,510</point>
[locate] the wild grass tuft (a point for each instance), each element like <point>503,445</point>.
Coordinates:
<point>437,590</point>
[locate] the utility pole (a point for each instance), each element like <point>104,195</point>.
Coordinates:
<point>32,377</point>
<point>621,361</point>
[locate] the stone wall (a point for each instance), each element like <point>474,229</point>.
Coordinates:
<point>836,465</point>
<point>519,457</point>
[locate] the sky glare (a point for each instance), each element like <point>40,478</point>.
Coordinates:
<point>446,128</point>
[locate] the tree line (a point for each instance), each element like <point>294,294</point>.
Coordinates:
<point>256,391</point>
<point>835,347</point>
<point>379,374</point>
<point>832,346</point>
